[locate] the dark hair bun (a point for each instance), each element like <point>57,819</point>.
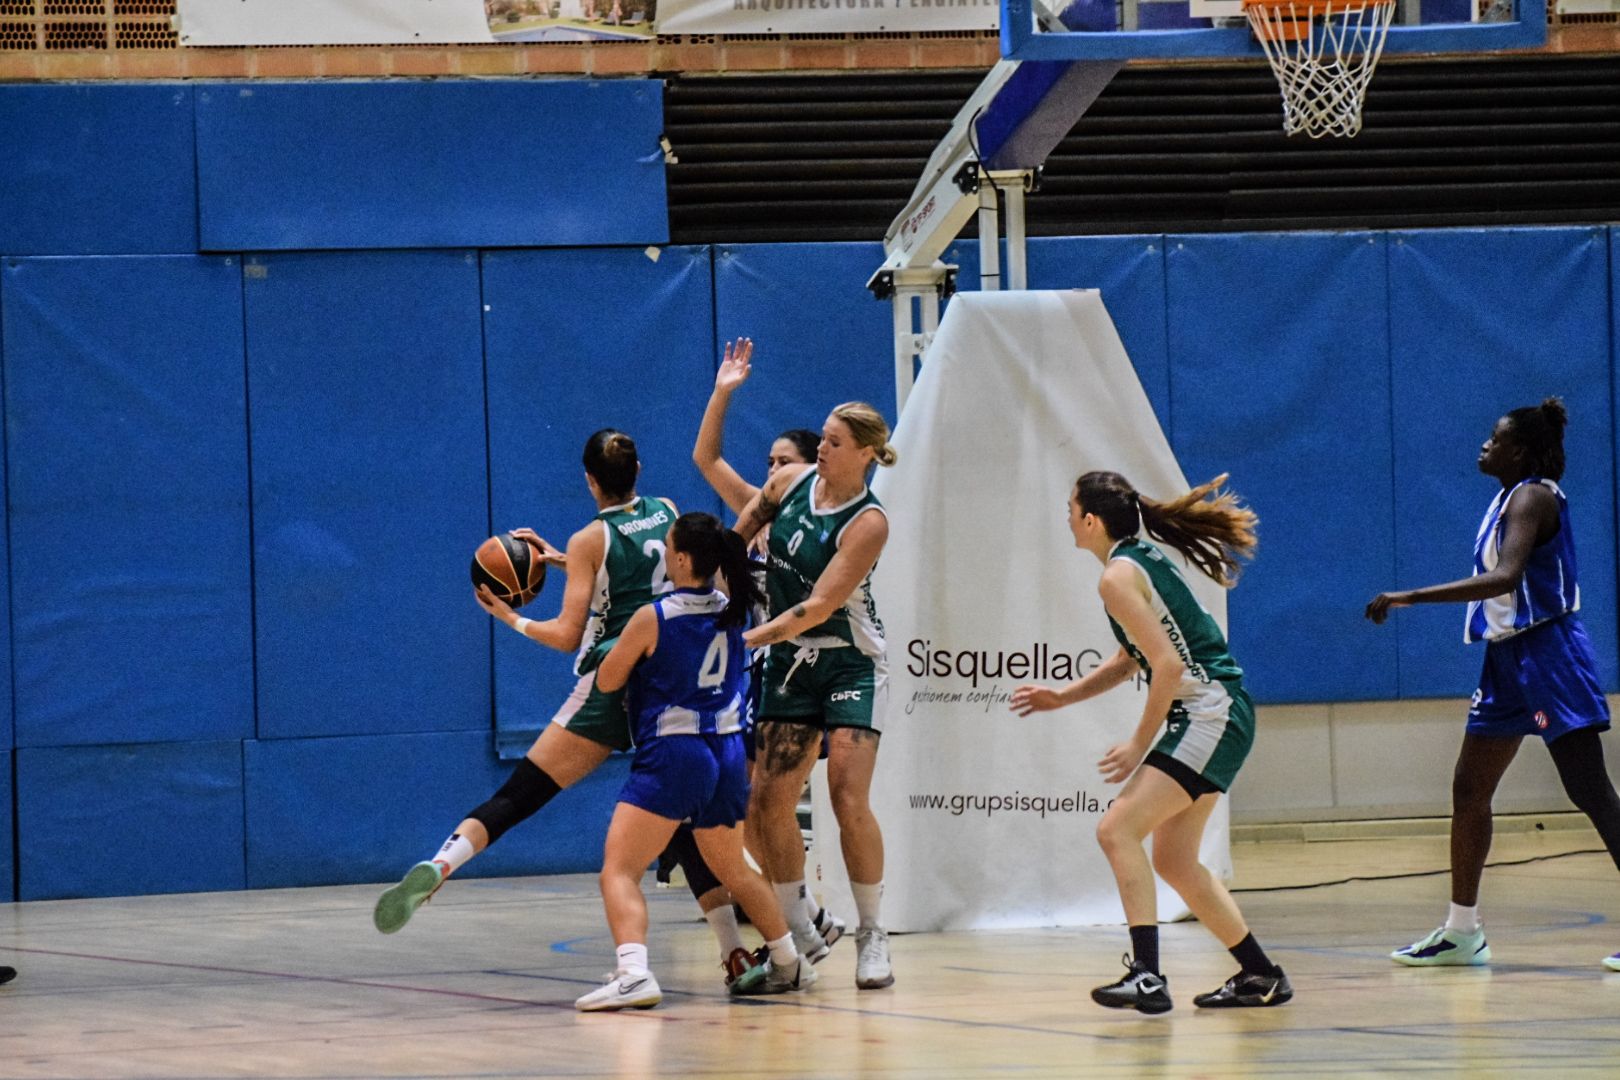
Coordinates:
<point>1553,411</point>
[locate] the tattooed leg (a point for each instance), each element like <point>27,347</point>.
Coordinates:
<point>787,753</point>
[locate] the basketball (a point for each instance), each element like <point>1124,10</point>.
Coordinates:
<point>511,568</point>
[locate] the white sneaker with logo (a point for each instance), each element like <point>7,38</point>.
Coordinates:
<point>872,968</point>
<point>624,990</point>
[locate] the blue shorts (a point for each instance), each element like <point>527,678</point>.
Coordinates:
<point>698,778</point>
<point>1541,682</point>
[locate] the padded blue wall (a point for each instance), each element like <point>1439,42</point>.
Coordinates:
<point>577,341</point>
<point>819,339</point>
<point>1287,388</point>
<point>1128,270</point>
<point>97,170</point>
<point>430,164</point>
<point>1482,322</point>
<point>8,848</point>
<point>370,492</point>
<point>127,448</point>
<point>368,829</point>
<point>127,820</point>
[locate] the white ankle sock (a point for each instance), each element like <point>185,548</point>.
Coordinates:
<point>783,954</point>
<point>791,895</point>
<point>1463,919</point>
<point>868,901</point>
<point>632,959</point>
<point>454,853</point>
<point>723,921</point>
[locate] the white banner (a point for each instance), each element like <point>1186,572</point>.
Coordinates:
<point>824,16</point>
<point>989,820</point>
<point>332,22</point>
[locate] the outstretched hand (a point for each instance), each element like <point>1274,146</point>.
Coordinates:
<point>1381,604</point>
<point>735,365</point>
<point>1031,698</point>
<point>1121,761</point>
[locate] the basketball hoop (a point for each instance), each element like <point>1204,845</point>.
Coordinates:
<point>1323,53</point>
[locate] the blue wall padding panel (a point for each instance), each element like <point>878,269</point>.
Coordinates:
<point>90,170</point>
<point>577,341</point>
<point>370,492</point>
<point>8,850</point>
<point>1129,270</point>
<point>1152,15</point>
<point>1482,322</point>
<point>358,783</point>
<point>1287,388</point>
<point>443,164</point>
<point>129,820</point>
<point>127,446</point>
<point>819,339</point>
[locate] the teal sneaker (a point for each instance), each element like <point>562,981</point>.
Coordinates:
<point>1612,962</point>
<point>396,905</point>
<point>1446,948</point>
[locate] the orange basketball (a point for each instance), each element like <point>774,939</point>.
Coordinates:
<point>512,569</point>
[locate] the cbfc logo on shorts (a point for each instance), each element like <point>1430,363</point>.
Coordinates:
<point>846,695</point>
<point>1541,720</point>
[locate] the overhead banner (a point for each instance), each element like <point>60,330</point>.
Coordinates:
<point>989,820</point>
<point>824,16</point>
<point>332,22</point>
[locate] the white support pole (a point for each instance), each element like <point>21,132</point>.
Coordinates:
<point>905,349</point>
<point>1017,265</point>
<point>989,239</point>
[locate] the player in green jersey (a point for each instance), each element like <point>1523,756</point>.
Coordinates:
<point>826,672</point>
<point>1195,692</point>
<point>615,565</point>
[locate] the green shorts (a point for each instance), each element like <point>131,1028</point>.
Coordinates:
<point>601,718</point>
<point>829,688</point>
<point>1213,745</point>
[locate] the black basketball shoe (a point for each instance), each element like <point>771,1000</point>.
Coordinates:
<point>7,974</point>
<point>1140,989</point>
<point>1246,990</point>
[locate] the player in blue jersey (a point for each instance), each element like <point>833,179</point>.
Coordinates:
<point>1196,694</point>
<point>684,660</point>
<point>1539,677</point>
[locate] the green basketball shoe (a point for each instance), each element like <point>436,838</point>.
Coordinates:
<point>396,905</point>
<point>1451,948</point>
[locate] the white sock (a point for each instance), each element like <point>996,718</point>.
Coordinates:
<point>723,921</point>
<point>633,959</point>
<point>455,852</point>
<point>783,954</point>
<point>1464,919</point>
<point>791,895</point>
<point>868,899</point>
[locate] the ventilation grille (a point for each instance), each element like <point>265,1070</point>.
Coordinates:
<point>78,25</point>
<point>1185,148</point>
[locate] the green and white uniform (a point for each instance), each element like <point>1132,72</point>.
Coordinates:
<point>835,674</point>
<point>631,576</point>
<point>1211,723</point>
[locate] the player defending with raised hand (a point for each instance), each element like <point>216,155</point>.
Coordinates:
<point>1196,694</point>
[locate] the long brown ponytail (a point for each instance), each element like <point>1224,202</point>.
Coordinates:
<point>1211,527</point>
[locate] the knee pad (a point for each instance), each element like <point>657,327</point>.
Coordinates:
<point>683,846</point>
<point>525,791</point>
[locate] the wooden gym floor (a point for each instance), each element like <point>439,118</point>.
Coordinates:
<point>296,983</point>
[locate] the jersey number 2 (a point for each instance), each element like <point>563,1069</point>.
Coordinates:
<point>713,670</point>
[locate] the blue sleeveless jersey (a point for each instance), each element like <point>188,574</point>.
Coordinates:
<point>1549,588</point>
<point>696,680</point>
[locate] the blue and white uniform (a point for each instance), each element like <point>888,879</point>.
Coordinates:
<point>1540,675</point>
<point>688,706</point>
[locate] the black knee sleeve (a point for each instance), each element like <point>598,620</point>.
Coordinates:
<point>683,847</point>
<point>525,791</point>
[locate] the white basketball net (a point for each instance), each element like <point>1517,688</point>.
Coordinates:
<point>1323,55</point>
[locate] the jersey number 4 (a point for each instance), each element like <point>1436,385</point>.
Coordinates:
<point>712,672</point>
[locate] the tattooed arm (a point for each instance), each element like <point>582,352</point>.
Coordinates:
<point>858,552</point>
<point>762,508</point>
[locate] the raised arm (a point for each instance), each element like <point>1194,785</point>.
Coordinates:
<point>1124,594</point>
<point>707,452</point>
<point>586,550</point>
<point>639,639</point>
<point>858,552</point>
<point>1530,517</point>
<point>761,510</point>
